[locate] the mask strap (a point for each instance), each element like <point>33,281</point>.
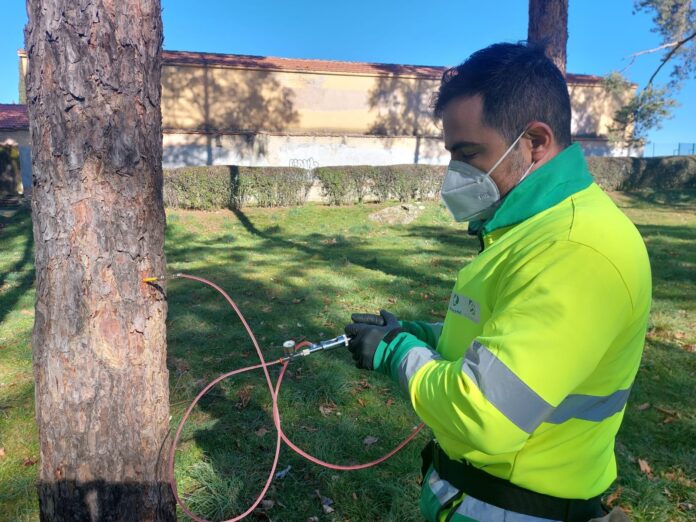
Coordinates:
<point>500,160</point>
<point>529,169</point>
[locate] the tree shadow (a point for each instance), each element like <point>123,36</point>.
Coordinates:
<point>235,413</point>
<point>402,107</point>
<point>674,200</point>
<point>18,279</point>
<point>211,102</point>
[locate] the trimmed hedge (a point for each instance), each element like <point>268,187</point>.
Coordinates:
<point>625,173</point>
<point>213,187</point>
<point>10,173</point>
<point>352,183</point>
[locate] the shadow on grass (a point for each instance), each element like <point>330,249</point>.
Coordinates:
<point>681,199</point>
<point>18,278</point>
<point>233,416</point>
<point>239,410</point>
<point>672,251</point>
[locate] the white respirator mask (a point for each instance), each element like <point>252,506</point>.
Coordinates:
<point>471,194</point>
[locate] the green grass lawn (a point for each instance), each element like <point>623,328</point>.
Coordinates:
<point>299,273</point>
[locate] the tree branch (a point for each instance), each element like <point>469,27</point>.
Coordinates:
<point>679,44</point>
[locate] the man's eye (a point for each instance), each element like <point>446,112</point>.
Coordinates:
<point>466,157</point>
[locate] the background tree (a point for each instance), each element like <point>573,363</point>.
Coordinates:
<point>548,23</point>
<point>675,22</point>
<point>99,348</point>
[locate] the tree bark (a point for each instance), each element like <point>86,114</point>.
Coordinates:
<point>548,23</point>
<point>99,344</point>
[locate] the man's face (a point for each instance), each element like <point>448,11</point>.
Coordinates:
<point>468,139</point>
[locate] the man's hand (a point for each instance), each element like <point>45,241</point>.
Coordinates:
<point>367,331</point>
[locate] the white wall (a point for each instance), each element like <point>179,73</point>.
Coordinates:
<point>267,150</point>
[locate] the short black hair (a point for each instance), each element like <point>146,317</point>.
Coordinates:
<point>518,84</point>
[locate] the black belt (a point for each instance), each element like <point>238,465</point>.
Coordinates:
<point>504,494</point>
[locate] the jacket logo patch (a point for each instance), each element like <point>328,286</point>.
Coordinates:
<point>465,306</point>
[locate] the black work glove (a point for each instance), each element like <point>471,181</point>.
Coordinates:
<point>366,332</point>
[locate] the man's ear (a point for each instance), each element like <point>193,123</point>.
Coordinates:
<point>543,144</point>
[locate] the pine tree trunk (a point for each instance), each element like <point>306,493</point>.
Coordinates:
<point>548,21</point>
<point>99,346</point>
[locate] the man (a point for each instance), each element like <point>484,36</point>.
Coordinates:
<point>525,383</point>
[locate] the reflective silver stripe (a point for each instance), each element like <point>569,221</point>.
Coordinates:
<point>478,510</point>
<point>505,390</point>
<point>589,407</point>
<point>522,405</point>
<point>413,361</point>
<point>442,489</point>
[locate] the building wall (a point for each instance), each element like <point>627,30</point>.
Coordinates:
<point>215,115</point>
<point>305,151</point>
<point>224,99</point>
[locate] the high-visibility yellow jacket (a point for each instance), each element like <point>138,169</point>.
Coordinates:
<point>529,375</point>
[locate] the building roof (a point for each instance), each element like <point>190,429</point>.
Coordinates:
<point>13,117</point>
<point>273,63</point>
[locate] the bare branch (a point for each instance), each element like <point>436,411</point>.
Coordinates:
<point>670,54</point>
<point>646,51</point>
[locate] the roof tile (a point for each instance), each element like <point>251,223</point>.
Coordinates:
<point>13,117</point>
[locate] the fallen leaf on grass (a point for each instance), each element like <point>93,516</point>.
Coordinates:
<point>267,504</point>
<point>261,432</point>
<point>671,415</point>
<point>390,401</point>
<point>180,365</point>
<point>362,402</point>
<point>244,396</point>
<point>645,468</point>
<point>370,440</point>
<point>327,408</point>
<point>29,461</point>
<point>643,407</point>
<point>679,477</point>
<point>611,499</point>
<point>667,411</point>
<point>326,502</point>
<point>2,453</point>
<point>685,506</point>
<point>362,385</point>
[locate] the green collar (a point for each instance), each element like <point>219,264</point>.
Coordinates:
<point>562,176</point>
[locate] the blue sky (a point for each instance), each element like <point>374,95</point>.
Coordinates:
<point>436,32</point>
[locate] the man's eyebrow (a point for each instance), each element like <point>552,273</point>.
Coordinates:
<point>461,144</point>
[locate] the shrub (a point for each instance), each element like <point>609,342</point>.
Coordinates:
<point>336,184</point>
<point>415,181</point>
<point>218,186</point>
<point>668,172</point>
<point>271,186</point>
<point>347,183</point>
<point>10,173</point>
<point>199,188</point>
<point>632,173</point>
<point>352,183</point>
